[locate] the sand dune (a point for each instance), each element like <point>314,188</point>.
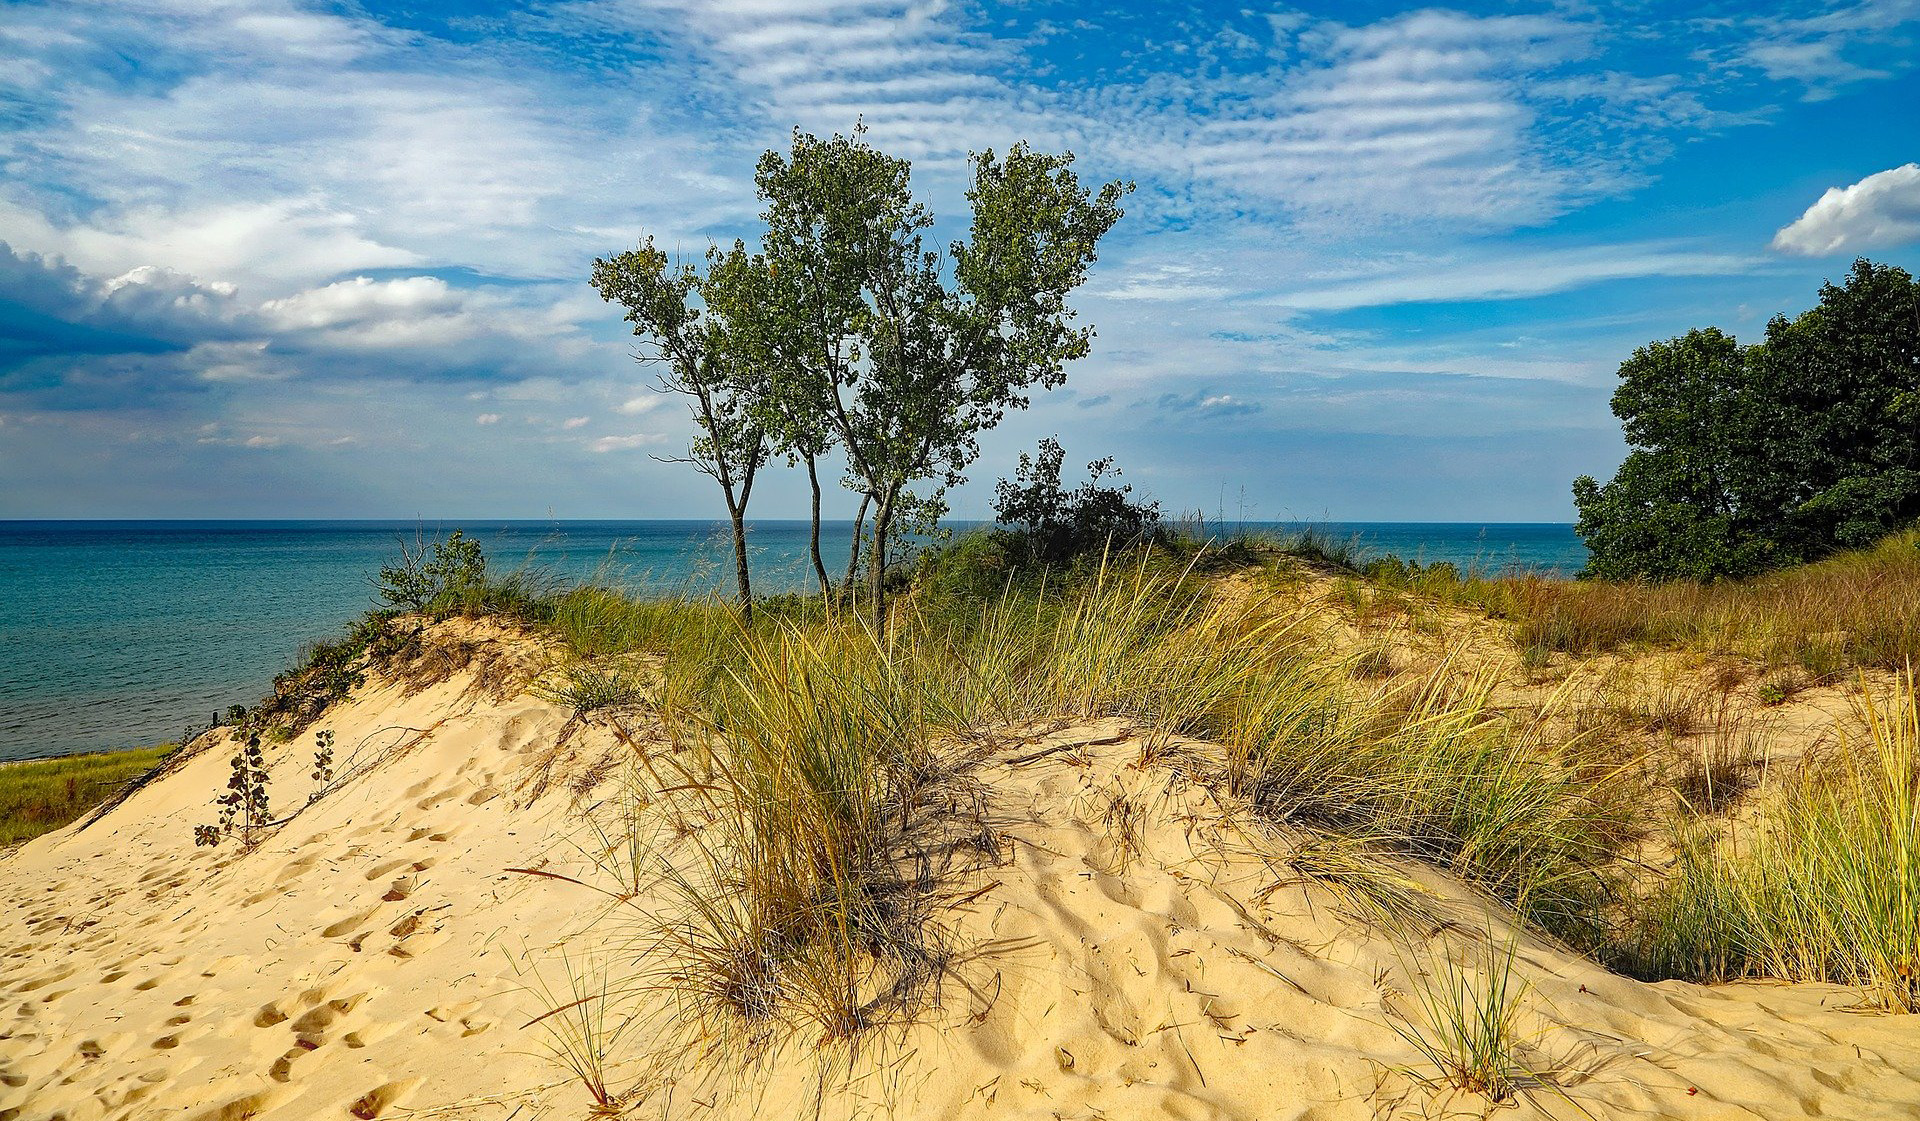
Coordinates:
<point>1138,950</point>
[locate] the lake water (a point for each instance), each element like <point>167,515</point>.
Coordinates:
<point>116,634</point>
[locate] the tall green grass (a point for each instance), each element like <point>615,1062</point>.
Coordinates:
<point>795,883</point>
<point>41,795</point>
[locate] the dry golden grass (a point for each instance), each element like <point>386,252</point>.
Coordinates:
<point>1858,609</point>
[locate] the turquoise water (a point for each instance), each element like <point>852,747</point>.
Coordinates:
<point>115,634</point>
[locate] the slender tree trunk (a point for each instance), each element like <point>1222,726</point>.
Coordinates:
<point>739,515</point>
<point>882,522</point>
<point>853,554</point>
<point>819,566</point>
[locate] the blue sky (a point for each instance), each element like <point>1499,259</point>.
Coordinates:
<point>286,259</point>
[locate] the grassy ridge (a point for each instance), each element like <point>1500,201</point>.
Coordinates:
<point>41,795</point>
<point>790,894</point>
<point>1856,609</point>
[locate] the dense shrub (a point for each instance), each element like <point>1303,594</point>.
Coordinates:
<point>428,574</point>
<point>1044,523</point>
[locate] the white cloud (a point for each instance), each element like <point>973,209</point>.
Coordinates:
<point>1881,210</point>
<point>362,299</point>
<point>1513,276</point>
<point>573,422</point>
<point>487,418</point>
<point>625,443</point>
<point>638,406</point>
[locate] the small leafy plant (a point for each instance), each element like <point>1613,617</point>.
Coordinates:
<point>322,763</point>
<point>243,808</point>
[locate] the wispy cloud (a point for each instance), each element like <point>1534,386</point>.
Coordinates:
<point>1516,275</point>
<point>1827,51</point>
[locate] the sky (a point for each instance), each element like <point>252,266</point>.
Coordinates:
<point>276,259</point>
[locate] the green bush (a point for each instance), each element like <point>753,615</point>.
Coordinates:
<point>1043,523</point>
<point>429,574</point>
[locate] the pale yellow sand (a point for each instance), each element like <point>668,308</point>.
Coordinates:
<point>370,959</point>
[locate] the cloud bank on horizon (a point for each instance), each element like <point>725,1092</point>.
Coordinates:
<point>275,258</point>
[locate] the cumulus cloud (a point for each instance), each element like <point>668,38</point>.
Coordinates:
<point>1879,211</point>
<point>361,299</point>
<point>487,418</point>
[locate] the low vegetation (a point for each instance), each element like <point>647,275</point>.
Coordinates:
<point>1824,885</point>
<point>41,795</point>
<point>1852,610</point>
<point>1467,1022</point>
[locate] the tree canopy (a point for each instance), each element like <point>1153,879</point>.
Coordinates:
<point>846,332</point>
<point>1750,457</point>
<point>906,352</point>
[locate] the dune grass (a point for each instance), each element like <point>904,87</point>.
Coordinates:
<point>1825,886</point>
<point>1466,1021</point>
<point>41,795</point>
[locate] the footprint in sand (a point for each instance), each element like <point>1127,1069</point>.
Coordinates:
<point>351,922</point>
<point>378,1100</point>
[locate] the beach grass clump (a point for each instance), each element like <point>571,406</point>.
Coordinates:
<point>797,908</point>
<point>1825,885</point>
<point>1434,771</point>
<point>40,795</point>
<point>588,687</point>
<point>1466,1021</point>
<point>599,622</point>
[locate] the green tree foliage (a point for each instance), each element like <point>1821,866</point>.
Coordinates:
<point>1045,523</point>
<point>1746,458</point>
<point>908,352</point>
<point>704,332</point>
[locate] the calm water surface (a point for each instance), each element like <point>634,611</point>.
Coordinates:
<point>115,634</point>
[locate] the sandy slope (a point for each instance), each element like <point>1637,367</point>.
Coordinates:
<point>1131,956</point>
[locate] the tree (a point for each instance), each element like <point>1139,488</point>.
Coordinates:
<point>1746,458</point>
<point>703,336</point>
<point>913,353</point>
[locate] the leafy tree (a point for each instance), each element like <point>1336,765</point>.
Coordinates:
<point>1051,524</point>
<point>913,353</point>
<point>1746,458</point>
<point>704,334</point>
